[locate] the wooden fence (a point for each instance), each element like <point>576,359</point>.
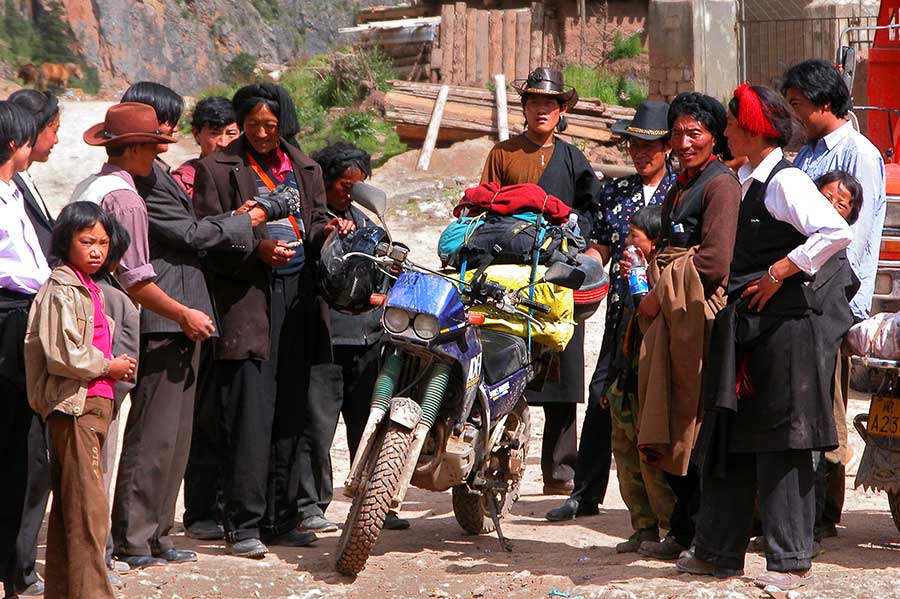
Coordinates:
<point>476,44</point>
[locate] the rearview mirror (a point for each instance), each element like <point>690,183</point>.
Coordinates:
<point>847,65</point>
<point>369,197</point>
<point>564,275</point>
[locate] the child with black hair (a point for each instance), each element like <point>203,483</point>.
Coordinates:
<point>70,374</point>
<point>643,487</point>
<point>213,126</point>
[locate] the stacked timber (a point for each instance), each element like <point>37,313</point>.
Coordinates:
<point>407,42</point>
<point>471,112</point>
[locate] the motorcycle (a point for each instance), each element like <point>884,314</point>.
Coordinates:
<point>879,467</point>
<point>448,410</point>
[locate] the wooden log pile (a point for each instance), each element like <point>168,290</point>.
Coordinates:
<point>407,42</point>
<point>471,112</point>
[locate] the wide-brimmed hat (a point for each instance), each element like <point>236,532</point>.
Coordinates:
<point>650,122</point>
<point>125,124</point>
<point>547,82</point>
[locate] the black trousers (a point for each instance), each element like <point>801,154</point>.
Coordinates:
<point>344,388</point>
<point>784,482</point>
<point>203,476</point>
<point>687,503</point>
<point>260,405</point>
<point>595,447</point>
<point>156,444</point>
<point>559,450</point>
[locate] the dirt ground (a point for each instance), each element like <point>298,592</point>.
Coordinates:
<point>434,558</point>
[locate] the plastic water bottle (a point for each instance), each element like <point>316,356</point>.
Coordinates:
<point>637,274</point>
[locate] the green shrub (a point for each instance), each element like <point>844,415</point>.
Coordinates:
<point>626,48</point>
<point>269,10</point>
<point>606,87</point>
<point>241,70</point>
<point>363,128</point>
<point>90,83</point>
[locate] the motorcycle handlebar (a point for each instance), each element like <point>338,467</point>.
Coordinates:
<point>535,305</point>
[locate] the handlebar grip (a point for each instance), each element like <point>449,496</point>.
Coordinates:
<point>536,305</point>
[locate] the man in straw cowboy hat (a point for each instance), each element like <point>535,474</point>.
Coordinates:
<point>538,156</point>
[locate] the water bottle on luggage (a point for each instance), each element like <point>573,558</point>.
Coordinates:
<point>637,274</point>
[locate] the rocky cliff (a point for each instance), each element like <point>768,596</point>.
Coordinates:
<point>187,43</point>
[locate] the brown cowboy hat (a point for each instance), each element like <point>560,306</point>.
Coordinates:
<point>547,82</point>
<point>127,123</point>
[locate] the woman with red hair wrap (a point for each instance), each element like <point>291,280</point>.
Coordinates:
<point>767,388</point>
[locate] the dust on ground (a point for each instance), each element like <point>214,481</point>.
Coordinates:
<point>434,558</point>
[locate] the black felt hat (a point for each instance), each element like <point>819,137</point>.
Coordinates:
<point>650,122</point>
<point>547,82</point>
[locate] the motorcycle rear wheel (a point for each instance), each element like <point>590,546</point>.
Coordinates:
<point>372,502</point>
<point>894,501</point>
<point>471,509</point>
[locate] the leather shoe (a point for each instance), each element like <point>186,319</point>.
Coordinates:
<point>205,530</point>
<point>252,548</point>
<point>35,589</point>
<point>317,524</point>
<point>668,548</point>
<point>177,556</point>
<point>394,522</point>
<point>785,581</point>
<point>562,487</point>
<point>572,508</point>
<point>691,564</point>
<point>639,536</point>
<point>137,562</point>
<point>292,538</point>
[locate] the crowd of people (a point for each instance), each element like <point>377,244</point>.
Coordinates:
<point>720,393</point>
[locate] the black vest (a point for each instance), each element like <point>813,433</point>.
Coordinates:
<point>683,224</point>
<point>761,239</point>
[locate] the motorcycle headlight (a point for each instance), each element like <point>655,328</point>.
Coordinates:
<point>396,320</point>
<point>426,326</point>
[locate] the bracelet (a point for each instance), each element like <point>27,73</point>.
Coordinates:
<point>772,278</point>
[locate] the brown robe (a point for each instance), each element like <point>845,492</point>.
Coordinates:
<point>671,360</point>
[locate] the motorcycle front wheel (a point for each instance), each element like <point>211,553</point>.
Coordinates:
<point>373,500</point>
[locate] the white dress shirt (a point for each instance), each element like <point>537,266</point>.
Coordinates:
<point>792,197</point>
<point>23,267</point>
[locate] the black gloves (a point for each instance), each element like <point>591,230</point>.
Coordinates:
<point>280,202</point>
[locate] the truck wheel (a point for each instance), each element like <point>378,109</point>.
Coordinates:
<point>894,501</point>
<point>372,502</point>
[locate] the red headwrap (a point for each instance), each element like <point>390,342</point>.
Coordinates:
<point>751,115</point>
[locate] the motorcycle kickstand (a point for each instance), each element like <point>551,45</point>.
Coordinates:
<point>495,518</point>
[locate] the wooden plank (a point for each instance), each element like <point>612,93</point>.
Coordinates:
<point>482,31</point>
<point>384,13</point>
<point>509,44</point>
<point>470,45</point>
<point>459,44</point>
<point>495,44</point>
<point>523,43</point>
<point>448,14</point>
<point>433,127</point>
<point>415,134</point>
<point>551,40</point>
<point>537,36</point>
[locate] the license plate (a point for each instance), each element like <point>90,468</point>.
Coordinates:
<point>884,416</point>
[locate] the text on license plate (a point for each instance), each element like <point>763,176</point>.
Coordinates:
<point>884,416</point>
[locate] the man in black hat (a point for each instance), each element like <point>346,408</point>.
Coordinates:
<point>610,421</point>
<point>538,156</point>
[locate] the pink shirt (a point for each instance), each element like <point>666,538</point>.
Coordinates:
<point>102,386</point>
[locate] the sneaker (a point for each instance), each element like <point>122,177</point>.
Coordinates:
<point>35,589</point>
<point>394,522</point>
<point>205,530</point>
<point>785,581</point>
<point>689,563</point>
<point>318,524</point>
<point>668,548</point>
<point>252,548</point>
<point>115,580</point>
<point>639,536</point>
